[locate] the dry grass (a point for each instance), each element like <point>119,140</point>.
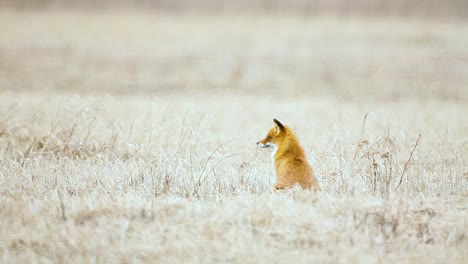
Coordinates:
<point>136,143</point>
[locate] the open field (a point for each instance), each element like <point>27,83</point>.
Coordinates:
<point>130,138</point>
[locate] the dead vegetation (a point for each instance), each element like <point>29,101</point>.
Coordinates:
<point>93,170</point>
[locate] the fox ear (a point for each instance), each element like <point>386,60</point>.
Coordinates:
<point>279,126</point>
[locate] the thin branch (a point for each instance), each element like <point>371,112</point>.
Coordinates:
<point>408,161</point>
<point>62,206</point>
<point>361,137</point>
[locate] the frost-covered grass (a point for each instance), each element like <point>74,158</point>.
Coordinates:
<point>135,143</point>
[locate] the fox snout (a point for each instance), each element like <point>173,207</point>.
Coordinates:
<point>263,145</point>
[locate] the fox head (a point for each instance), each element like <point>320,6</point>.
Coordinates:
<point>274,136</point>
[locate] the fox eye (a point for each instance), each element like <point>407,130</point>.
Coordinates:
<point>269,137</point>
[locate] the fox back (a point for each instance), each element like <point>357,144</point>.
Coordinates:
<point>290,160</point>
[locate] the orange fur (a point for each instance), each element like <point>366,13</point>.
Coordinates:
<point>290,160</point>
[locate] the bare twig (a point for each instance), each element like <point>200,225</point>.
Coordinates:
<point>29,150</point>
<point>150,135</point>
<point>65,147</point>
<point>191,162</point>
<point>62,206</point>
<point>90,126</point>
<point>131,130</point>
<point>115,134</point>
<point>362,134</point>
<point>179,147</point>
<point>408,161</point>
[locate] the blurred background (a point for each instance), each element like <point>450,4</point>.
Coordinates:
<point>345,49</point>
<point>422,8</point>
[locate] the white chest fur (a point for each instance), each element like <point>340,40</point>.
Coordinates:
<point>275,148</point>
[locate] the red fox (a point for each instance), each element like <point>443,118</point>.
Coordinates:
<point>290,161</point>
